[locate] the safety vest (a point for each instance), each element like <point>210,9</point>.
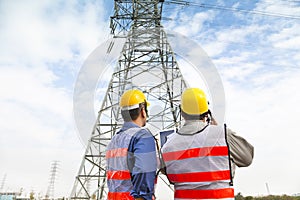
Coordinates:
<point>117,173</point>
<point>197,164</point>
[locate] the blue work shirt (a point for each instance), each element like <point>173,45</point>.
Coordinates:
<point>142,162</point>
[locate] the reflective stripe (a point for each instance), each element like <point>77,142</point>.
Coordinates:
<point>117,172</point>
<point>119,196</point>
<point>200,176</point>
<point>205,194</point>
<point>118,175</point>
<point>217,163</point>
<point>120,152</point>
<point>196,152</point>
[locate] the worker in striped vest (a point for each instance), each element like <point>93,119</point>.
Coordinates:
<point>131,154</point>
<point>198,159</point>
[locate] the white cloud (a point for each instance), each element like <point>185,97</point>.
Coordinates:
<point>287,38</point>
<point>188,24</point>
<point>239,36</point>
<point>282,7</point>
<point>39,43</point>
<point>193,23</point>
<point>33,87</point>
<point>214,48</point>
<point>267,117</point>
<point>238,71</point>
<point>50,31</point>
<point>36,128</point>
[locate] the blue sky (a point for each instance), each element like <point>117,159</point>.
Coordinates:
<point>44,45</point>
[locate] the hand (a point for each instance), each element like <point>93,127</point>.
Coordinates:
<point>213,121</point>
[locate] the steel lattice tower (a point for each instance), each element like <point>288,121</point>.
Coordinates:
<point>146,55</point>
<point>3,183</point>
<point>52,179</point>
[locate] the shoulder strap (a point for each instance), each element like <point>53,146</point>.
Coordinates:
<point>229,160</point>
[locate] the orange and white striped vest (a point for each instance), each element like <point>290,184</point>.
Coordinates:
<point>197,164</point>
<point>117,172</point>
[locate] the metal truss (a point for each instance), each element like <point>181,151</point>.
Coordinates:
<point>146,62</point>
<point>53,176</point>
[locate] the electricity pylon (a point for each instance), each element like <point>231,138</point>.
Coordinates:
<point>146,62</point>
<point>52,179</point>
<point>3,183</point>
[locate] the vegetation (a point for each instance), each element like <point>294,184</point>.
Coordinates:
<point>31,196</point>
<point>239,196</point>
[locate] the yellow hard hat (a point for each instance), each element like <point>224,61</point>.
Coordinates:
<point>193,101</point>
<point>132,98</point>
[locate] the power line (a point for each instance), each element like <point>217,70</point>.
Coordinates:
<point>210,6</point>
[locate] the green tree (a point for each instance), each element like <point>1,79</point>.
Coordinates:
<point>239,196</point>
<point>31,196</point>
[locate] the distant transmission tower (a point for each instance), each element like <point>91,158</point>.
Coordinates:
<point>52,179</point>
<point>3,183</point>
<point>146,55</point>
<point>268,189</point>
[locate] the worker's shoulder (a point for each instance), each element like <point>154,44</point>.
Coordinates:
<point>216,128</point>
<point>142,133</point>
<point>174,139</point>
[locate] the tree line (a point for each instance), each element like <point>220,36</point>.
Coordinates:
<point>239,196</point>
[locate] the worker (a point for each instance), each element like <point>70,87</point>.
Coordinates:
<point>131,154</point>
<point>200,158</point>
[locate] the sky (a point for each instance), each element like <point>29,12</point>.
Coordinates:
<point>254,45</point>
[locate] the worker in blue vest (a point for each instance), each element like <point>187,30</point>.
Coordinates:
<point>131,154</point>
<point>201,157</point>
